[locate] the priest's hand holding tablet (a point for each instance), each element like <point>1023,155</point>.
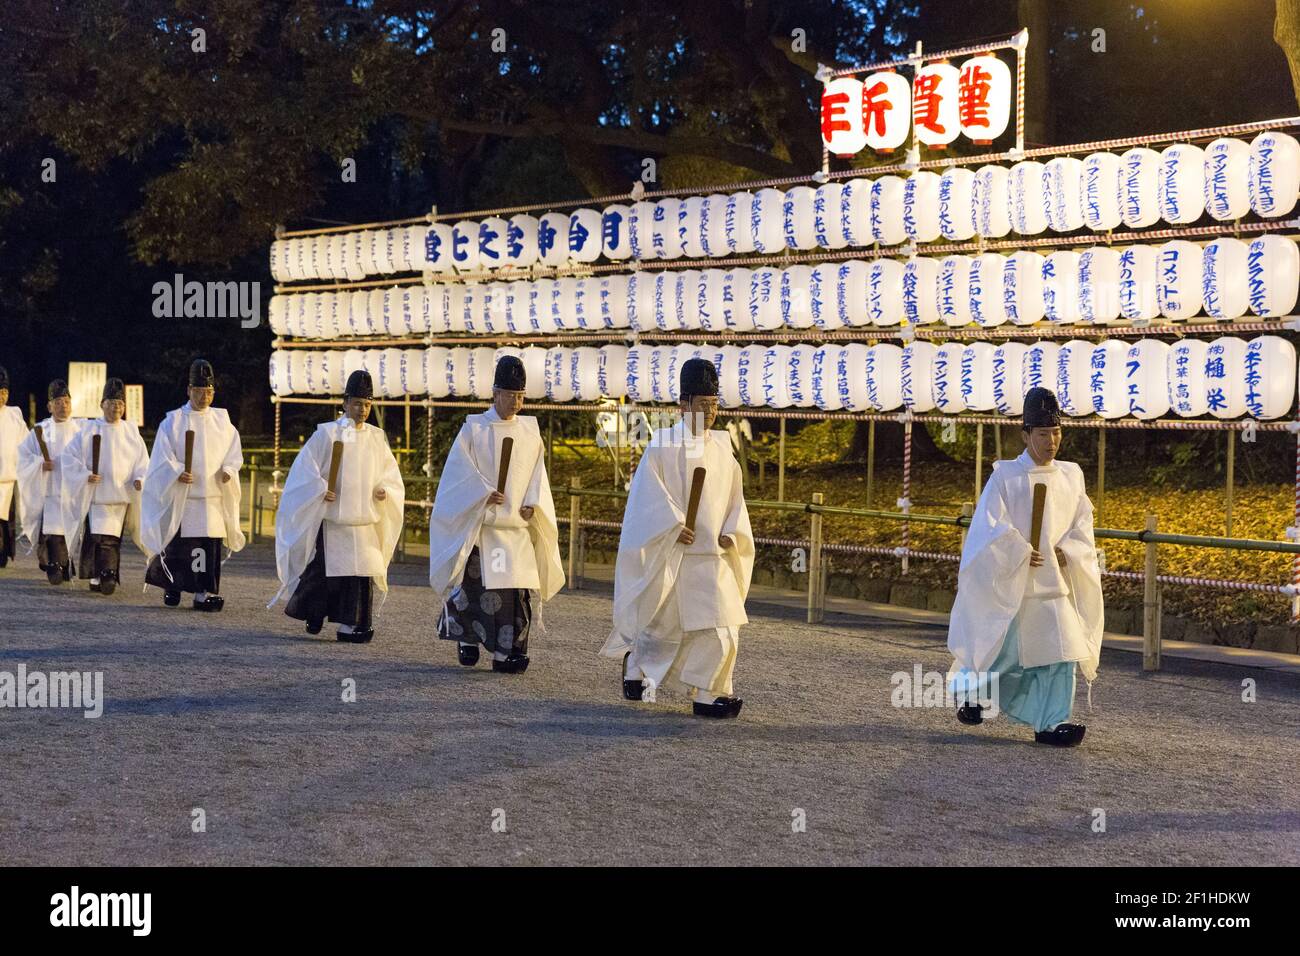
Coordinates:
<point>496,498</point>
<point>1036,558</point>
<point>47,465</point>
<point>94,479</point>
<point>686,536</point>
<point>186,478</point>
<point>330,495</point>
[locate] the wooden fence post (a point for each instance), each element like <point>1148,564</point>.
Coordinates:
<point>816,604</point>
<point>1150,605</point>
<point>575,513</point>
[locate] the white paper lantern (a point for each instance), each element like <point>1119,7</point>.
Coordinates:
<point>279,260</point>
<point>976,376</point>
<point>413,377</point>
<point>886,107</point>
<point>1099,285</point>
<point>797,223</point>
<point>540,315</point>
<point>1038,367</point>
<point>611,371</point>
<point>483,368</point>
<point>392,311</point>
<point>884,376</point>
<point>1178,284</point>
<point>713,226</point>
<point>884,291</point>
<point>438,243</point>
<point>335,250</point>
<point>586,303</point>
<point>300,307</point>
<point>1186,376</point>
<point>851,378</point>
<point>716,300</point>
<point>521,241</point>
<point>368,240</point>
<point>921,206</point>
<point>946,378</point>
<point>685,300</point>
<point>736,288</point>
<point>765,298</point>
<point>1073,377</point>
<point>767,221</point>
<point>279,314</point>
<point>319,258</point>
<point>920,291</point>
<point>638,373</point>
<point>952,291</point>
<point>801,375</point>
<point>751,374</point>
<point>614,302</point>
<point>437,371</point>
<point>314,366</point>
<point>1225,377</point>
<point>1226,172</point>
<point>690,219</point>
<point>986,118</point>
<point>1273,174</point>
<point>1180,190</point>
<point>586,235</point>
<point>887,225</point>
<point>559,385</point>
<point>464,247</point>
<point>584,367</point>
<point>828,221</point>
<point>354,360</point>
<point>821,290</point>
<point>420,302</point>
<point>776,377</point>
<point>534,360</point>
<point>376,310</point>
<point>1101,184</point>
<point>855,212</point>
<point>388,383</point>
<point>1008,383</point>
<point>660,376</point>
<point>335,378</point>
<point>795,296</point>
<point>1106,379</point>
<point>841,116</point>
<point>333,314</point>
<point>1139,201</point>
<point>1224,290</point>
<point>553,239</point>
<point>987,303</point>
<point>1063,182</point>
<point>492,242</point>
<point>676,357</point>
<point>1146,379</point>
<point>1027,198</point>
<point>916,376</point>
<point>1061,286</point>
<point>1022,287</point>
<point>515,307</point>
<point>665,241</point>
<point>825,378</point>
<point>957,203</point>
<point>729,377</point>
<point>278,371</point>
<point>1269,369</point>
<point>1139,275</point>
<point>851,280</point>
<point>373,360</point>
<point>935,120</point>
<point>991,196</point>
<point>640,230</point>
<point>736,223</point>
<point>352,243</point>
<point>616,228</point>
<point>1272,275</point>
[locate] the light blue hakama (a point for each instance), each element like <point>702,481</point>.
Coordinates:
<point>1040,697</point>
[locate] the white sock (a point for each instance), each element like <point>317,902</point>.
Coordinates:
<point>94,581</point>
<point>703,696</point>
<point>465,643</point>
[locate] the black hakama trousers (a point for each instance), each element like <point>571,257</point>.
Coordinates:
<point>52,557</point>
<point>101,554</point>
<point>8,542</point>
<point>497,618</point>
<point>181,556</point>
<point>342,600</point>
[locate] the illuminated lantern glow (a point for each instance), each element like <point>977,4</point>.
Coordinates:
<point>976,376</point>
<point>946,378</point>
<point>1099,191</point>
<point>884,376</point>
<point>1269,372</point>
<point>436,365</point>
<point>462,385</point>
<point>367,240</point>
<point>354,360</point>
<point>828,221</point>
<point>521,241</point>
<point>1027,198</point>
<point>1139,270</point>
<point>335,267</point>
<point>801,368</point>
<point>586,235</point>
<point>729,377</point>
<point>638,373</point>
<point>559,381</point>
<point>1272,275</point>
<point>1180,190</point>
<point>921,207</point>
<point>413,379</point>
<point>1227,192</point>
<point>822,288</point>
<point>640,230</point>
<point>887,211</point>
<point>278,369</point>
<point>1224,294</point>
<point>987,305</point>
<point>957,203</point>
<point>1225,377</point>
<point>613,302</point>
<point>644,313</point>
<point>1185,373</point>
<point>1073,366</point>
<point>494,308</point>
<point>615,232</point>
<point>797,218</point>
<point>693,299</point>
<point>851,293</point>
<point>419,309</point>
<point>464,247</point>
<point>563,303</point>
<point>776,377</point>
<point>751,374</point>
<point>611,371</point>
<point>1061,286</point>
<point>1139,202</point>
<point>539,307</point>
<point>920,291</point>
<point>765,299</point>
<point>851,378</point>
<point>1038,367</point>
<point>1099,285</point>
<point>796,296</point>
<point>992,200</point>
<point>915,376</point>
<point>584,369</point>
<point>1146,379</point>
<point>737,288</point>
<point>437,249</point>
<point>378,314</point>
<point>713,225</point>
<point>516,308</point>
<point>1022,287</point>
<point>885,292</point>
<point>492,238</point>
<point>553,239</point>
<point>855,212</point>
<point>825,378</point>
<point>1063,187</point>
<point>1008,390</point>
<point>665,242</point>
<point>766,221</point>
<point>356,270</point>
<point>1178,280</point>
<point>586,303</point>
<point>983,98</point>
<point>1106,379</point>
<point>952,291</point>
<point>736,223</point>
<point>717,299</point>
<point>841,116</point>
<point>279,312</point>
<point>1273,174</point>
<point>886,100</point>
<point>935,120</point>
<point>666,301</point>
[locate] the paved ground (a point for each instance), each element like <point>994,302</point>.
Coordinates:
<point>241,714</point>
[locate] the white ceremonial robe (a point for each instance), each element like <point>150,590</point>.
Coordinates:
<point>360,532</point>
<point>1059,609</point>
<point>208,508</point>
<point>515,553</point>
<point>12,432</point>
<point>41,492</point>
<point>113,505</point>
<point>678,608</point>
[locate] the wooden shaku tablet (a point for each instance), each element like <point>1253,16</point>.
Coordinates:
<point>336,459</point>
<point>40,440</point>
<point>507,446</point>
<point>189,450</point>
<point>693,504</point>
<point>1036,519</point>
<point>94,453</point>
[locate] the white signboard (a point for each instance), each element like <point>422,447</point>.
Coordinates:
<point>135,405</point>
<point>86,385</point>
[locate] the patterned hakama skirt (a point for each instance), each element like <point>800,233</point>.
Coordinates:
<point>497,618</point>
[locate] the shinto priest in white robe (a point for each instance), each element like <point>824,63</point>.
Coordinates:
<point>678,608</point>
<point>486,561</point>
<point>13,429</point>
<point>328,554</point>
<point>1031,626</point>
<point>99,514</point>
<point>41,500</point>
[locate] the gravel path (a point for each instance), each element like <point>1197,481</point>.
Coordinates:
<point>241,714</point>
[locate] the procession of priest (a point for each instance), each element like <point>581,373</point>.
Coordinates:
<point>1027,618</point>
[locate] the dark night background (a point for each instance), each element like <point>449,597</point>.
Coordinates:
<point>174,161</point>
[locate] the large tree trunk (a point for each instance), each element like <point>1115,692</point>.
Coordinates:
<point>1286,31</point>
<point>1035,15</point>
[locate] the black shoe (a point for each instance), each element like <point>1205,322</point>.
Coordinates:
<point>54,575</point>
<point>722,707</point>
<point>97,588</point>
<point>107,584</point>
<point>356,637</point>
<point>631,688</point>
<point>213,602</point>
<point>514,664</point>
<point>1062,735</point>
<point>970,714</point>
<point>314,627</point>
<point>467,654</point>
<point>172,598</point>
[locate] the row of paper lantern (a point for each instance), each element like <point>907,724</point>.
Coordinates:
<point>1225,278</point>
<point>1227,179</point>
<point>1227,377</point>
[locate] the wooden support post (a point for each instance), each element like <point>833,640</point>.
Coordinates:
<point>1232,460</point>
<point>575,515</point>
<point>1101,474</point>
<point>550,440</point>
<point>979,457</point>
<point>871,461</point>
<point>780,463</point>
<point>252,501</point>
<point>1150,606</point>
<point>967,509</point>
<point>816,602</point>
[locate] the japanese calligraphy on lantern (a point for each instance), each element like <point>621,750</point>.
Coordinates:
<point>942,102</point>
